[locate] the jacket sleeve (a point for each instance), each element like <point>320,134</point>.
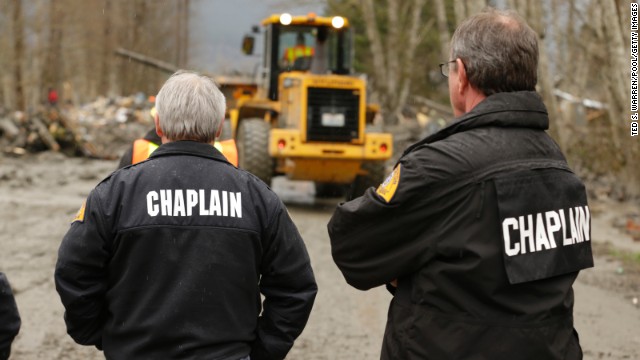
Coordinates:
<point>80,274</point>
<point>288,286</point>
<point>9,318</point>
<point>374,239</point>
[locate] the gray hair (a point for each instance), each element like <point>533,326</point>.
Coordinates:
<point>190,107</point>
<point>499,51</point>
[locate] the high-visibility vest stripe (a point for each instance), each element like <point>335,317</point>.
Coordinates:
<point>298,51</point>
<point>142,149</point>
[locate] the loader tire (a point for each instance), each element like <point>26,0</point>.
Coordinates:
<point>253,148</point>
<point>374,177</point>
<point>329,190</point>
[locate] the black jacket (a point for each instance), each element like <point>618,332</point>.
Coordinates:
<point>9,318</point>
<point>485,227</point>
<point>169,256</point>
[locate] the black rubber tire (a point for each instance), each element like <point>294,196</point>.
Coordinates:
<point>375,175</point>
<point>253,148</point>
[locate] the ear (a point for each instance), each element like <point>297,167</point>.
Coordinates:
<point>219,132</point>
<point>156,121</point>
<point>463,81</point>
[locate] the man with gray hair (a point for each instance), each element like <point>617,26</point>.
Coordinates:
<point>168,258</point>
<point>481,228</point>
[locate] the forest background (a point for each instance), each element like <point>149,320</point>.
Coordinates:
<point>584,71</point>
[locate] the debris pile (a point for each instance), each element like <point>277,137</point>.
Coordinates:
<point>100,129</point>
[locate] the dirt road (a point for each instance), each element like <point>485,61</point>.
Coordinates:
<point>40,194</point>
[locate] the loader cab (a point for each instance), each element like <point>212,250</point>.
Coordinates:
<point>318,45</point>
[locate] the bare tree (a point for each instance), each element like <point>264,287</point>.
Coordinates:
<point>52,66</point>
<point>533,11</point>
<point>590,45</point>
<point>182,32</point>
<point>464,9</point>
<point>18,54</point>
<point>185,34</point>
<point>618,69</point>
<point>71,47</point>
<point>107,48</point>
<point>443,28</point>
<point>614,31</point>
<point>393,52</point>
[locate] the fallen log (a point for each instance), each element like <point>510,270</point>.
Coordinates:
<point>45,135</point>
<point>9,129</point>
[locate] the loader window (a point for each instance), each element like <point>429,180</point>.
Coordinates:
<point>296,49</point>
<point>318,49</point>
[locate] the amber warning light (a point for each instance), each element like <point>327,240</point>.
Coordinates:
<point>281,144</point>
<point>383,148</point>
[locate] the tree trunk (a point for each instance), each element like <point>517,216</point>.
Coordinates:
<point>394,46</point>
<point>532,10</point>
<point>107,48</point>
<point>394,65</point>
<point>460,11</point>
<point>375,45</point>
<point>406,71</point>
<point>185,35</point>
<point>52,66</point>
<point>18,54</point>
<point>464,9</point>
<point>140,16</point>
<point>155,63</point>
<point>178,33</point>
<point>615,69</point>
<point>443,29</point>
<point>618,73</point>
<point>475,6</point>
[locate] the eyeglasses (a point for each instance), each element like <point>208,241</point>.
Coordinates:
<point>445,71</point>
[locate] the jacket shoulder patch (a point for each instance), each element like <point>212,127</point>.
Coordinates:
<point>388,188</point>
<point>80,214</point>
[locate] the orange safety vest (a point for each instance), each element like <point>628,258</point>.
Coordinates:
<point>229,150</point>
<point>143,148</point>
<point>297,52</point>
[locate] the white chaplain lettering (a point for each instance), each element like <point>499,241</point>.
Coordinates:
<point>191,202</point>
<point>537,232</point>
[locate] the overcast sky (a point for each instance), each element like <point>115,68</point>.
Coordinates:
<point>217,28</point>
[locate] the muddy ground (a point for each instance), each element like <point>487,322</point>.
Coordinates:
<point>39,195</point>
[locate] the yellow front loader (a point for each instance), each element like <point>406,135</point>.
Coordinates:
<point>306,116</point>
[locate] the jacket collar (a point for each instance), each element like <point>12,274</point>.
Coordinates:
<point>187,147</point>
<point>509,109</point>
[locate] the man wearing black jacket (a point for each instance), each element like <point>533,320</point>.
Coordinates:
<point>9,318</point>
<point>481,229</point>
<point>168,257</point>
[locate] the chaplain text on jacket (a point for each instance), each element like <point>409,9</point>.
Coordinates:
<point>179,202</point>
<point>539,232</point>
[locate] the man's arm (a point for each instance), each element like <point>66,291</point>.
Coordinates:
<point>9,318</point>
<point>81,275</point>
<point>289,288</point>
<point>383,235</point>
